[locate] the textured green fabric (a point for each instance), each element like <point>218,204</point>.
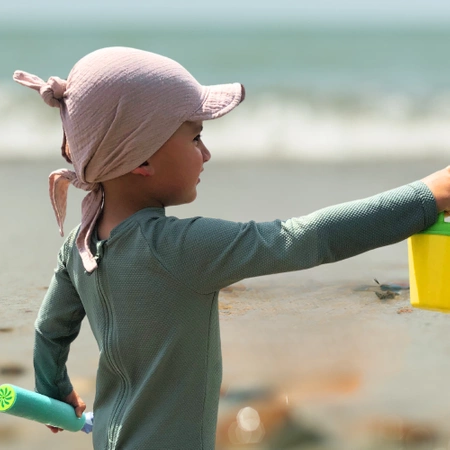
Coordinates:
<point>152,306</point>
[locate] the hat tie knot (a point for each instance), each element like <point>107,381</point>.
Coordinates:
<point>51,92</point>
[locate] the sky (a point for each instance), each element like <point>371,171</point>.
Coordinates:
<point>198,13</point>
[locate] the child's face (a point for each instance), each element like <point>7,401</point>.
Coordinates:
<point>177,165</point>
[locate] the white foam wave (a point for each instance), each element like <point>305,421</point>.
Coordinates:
<point>272,126</point>
<point>29,129</point>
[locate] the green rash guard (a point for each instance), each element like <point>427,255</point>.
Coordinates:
<point>152,305</point>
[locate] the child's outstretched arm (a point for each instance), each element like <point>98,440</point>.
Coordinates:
<point>208,254</point>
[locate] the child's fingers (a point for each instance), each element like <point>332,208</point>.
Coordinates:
<point>54,429</point>
<point>80,409</point>
<point>76,401</point>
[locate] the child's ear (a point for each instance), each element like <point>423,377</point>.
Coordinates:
<point>145,171</point>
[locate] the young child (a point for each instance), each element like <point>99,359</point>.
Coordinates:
<point>149,283</point>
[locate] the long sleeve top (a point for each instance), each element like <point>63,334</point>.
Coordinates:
<point>152,305</point>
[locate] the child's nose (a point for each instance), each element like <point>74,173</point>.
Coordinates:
<point>206,154</point>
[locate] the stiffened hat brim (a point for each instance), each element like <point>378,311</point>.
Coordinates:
<point>219,100</point>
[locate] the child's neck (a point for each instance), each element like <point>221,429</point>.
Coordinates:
<point>120,202</point>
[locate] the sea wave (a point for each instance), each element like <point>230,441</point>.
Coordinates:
<point>273,125</point>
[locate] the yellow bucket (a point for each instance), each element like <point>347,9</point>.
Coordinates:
<point>429,267</point>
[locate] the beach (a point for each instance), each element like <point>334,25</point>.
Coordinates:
<point>324,362</point>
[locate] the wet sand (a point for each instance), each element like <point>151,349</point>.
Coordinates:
<point>324,361</point>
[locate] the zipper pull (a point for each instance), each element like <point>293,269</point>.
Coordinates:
<point>100,251</point>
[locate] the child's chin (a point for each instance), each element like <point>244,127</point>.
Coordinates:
<point>185,200</point>
<point>192,197</point>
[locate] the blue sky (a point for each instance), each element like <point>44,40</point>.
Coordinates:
<point>200,12</point>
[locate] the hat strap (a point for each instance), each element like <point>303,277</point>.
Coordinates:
<point>59,182</point>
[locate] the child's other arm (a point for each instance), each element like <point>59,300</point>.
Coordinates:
<point>57,325</point>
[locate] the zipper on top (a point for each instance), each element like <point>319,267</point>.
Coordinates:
<point>113,430</point>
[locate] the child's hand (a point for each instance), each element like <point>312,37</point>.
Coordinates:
<point>439,184</point>
<point>75,400</point>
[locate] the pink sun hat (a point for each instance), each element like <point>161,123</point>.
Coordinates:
<point>118,107</point>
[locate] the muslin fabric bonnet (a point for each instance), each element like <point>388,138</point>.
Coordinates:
<point>118,107</point>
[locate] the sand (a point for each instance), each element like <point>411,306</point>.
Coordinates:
<point>324,362</point>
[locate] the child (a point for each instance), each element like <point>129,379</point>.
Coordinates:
<point>149,283</point>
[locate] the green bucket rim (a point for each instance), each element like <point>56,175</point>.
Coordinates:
<point>440,227</point>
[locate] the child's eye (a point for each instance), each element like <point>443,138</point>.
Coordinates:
<point>198,138</point>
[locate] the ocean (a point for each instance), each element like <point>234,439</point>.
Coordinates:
<point>314,93</point>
